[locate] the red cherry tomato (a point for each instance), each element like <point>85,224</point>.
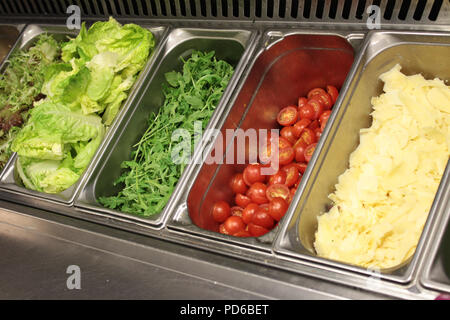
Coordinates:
<point>287,116</point>
<point>299,149</point>
<point>277,208</point>
<point>333,92</point>
<point>279,177</point>
<point>314,125</point>
<point>263,219</point>
<point>301,166</point>
<point>222,229</point>
<point>238,184</point>
<point>306,112</point>
<point>234,224</point>
<point>326,100</point>
<point>302,101</point>
<point>242,200</point>
<point>266,151</point>
<point>309,151</point>
<point>277,191</point>
<point>318,132</point>
<point>257,193</point>
<point>286,156</point>
<point>288,133</point>
<point>249,211</point>
<point>292,174</point>
<point>314,92</point>
<point>236,211</point>
<point>252,174</point>
<point>324,119</point>
<point>308,136</point>
<point>317,106</point>
<point>256,230</point>
<point>242,234</point>
<point>221,211</point>
<point>300,125</point>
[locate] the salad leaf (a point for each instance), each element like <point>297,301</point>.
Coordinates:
<point>150,176</point>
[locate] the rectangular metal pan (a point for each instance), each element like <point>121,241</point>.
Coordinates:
<point>289,63</point>
<point>9,179</point>
<point>416,52</point>
<point>8,37</point>
<point>229,45</point>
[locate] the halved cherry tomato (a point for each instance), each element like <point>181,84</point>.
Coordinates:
<point>309,151</point>
<point>301,166</point>
<point>257,193</point>
<point>308,136</point>
<point>326,100</point>
<point>234,224</point>
<point>324,119</point>
<point>333,92</point>
<point>302,101</point>
<point>317,106</point>
<point>222,229</point>
<point>314,125</point>
<point>266,151</point>
<point>306,112</point>
<point>256,230</point>
<point>252,174</point>
<point>236,211</point>
<point>292,174</point>
<point>249,211</point>
<point>277,208</point>
<point>238,184</point>
<point>314,92</point>
<point>279,177</point>
<point>299,149</point>
<point>221,211</point>
<point>286,156</point>
<point>277,190</point>
<point>300,125</point>
<point>263,219</point>
<point>289,134</point>
<point>242,200</point>
<point>287,116</point>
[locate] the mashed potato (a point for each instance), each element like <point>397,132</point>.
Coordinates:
<point>382,200</point>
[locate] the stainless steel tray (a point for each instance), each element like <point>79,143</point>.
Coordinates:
<point>416,52</point>
<point>9,179</point>
<point>8,36</point>
<point>232,46</point>
<point>289,63</point>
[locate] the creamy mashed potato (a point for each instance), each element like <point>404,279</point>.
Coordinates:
<point>383,199</point>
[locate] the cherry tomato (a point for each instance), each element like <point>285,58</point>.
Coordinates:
<point>234,224</point>
<point>302,101</point>
<point>238,184</point>
<point>324,119</point>
<point>252,174</point>
<point>279,177</point>
<point>288,133</point>
<point>301,166</point>
<point>309,151</point>
<point>306,112</point>
<point>286,156</point>
<point>299,148</point>
<point>277,208</point>
<point>263,219</point>
<point>257,193</point>
<point>266,151</point>
<point>287,116</point>
<point>333,92</point>
<point>314,92</point>
<point>314,125</point>
<point>221,211</point>
<point>236,211</point>
<point>222,229</point>
<point>326,100</point>
<point>256,230</point>
<point>242,234</point>
<point>264,206</point>
<point>300,125</point>
<point>292,174</point>
<point>242,200</point>
<point>317,106</point>
<point>318,132</point>
<point>296,184</point>
<point>308,136</point>
<point>277,191</point>
<point>249,211</point>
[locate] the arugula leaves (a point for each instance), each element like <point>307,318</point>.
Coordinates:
<point>191,95</point>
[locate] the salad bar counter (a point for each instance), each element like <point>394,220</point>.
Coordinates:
<point>179,149</point>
